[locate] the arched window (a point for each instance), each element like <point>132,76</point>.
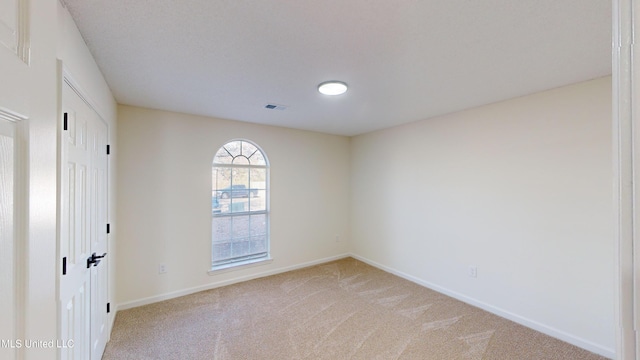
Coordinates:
<point>239,204</point>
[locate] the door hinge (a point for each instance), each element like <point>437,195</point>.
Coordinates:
<point>64,265</point>
<point>108,228</point>
<point>65,121</point>
<point>108,308</point>
<point>108,149</point>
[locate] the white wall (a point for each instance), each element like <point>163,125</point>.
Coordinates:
<point>79,62</point>
<point>40,286</point>
<point>83,70</point>
<point>521,189</point>
<point>164,215</point>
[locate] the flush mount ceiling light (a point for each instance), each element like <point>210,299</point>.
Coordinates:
<point>332,88</point>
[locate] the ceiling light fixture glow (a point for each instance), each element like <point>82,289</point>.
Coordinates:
<point>332,88</point>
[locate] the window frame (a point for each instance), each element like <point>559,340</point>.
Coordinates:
<point>247,260</point>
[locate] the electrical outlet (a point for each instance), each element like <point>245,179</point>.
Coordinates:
<point>473,271</point>
<point>162,269</point>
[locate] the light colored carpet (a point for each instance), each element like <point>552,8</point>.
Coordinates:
<point>340,310</point>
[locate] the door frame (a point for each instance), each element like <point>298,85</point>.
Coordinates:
<point>20,216</point>
<point>626,165</point>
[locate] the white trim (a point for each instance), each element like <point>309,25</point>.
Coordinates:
<point>585,344</point>
<point>23,36</point>
<point>21,199</point>
<point>175,294</point>
<point>216,270</point>
<point>12,116</point>
<point>624,166</point>
<point>243,166</point>
<point>240,213</point>
<point>21,215</point>
<point>75,86</point>
<point>19,35</point>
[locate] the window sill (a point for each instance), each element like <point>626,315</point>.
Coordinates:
<point>239,265</point>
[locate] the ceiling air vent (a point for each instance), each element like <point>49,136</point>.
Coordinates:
<point>275,107</point>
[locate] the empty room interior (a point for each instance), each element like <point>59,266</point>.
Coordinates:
<point>471,156</point>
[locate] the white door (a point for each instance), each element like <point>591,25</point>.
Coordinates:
<point>83,229</point>
<point>100,269</point>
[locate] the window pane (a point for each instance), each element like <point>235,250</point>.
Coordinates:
<point>221,178</point>
<point>258,159</point>
<point>258,200</point>
<point>221,229</point>
<point>233,147</point>
<point>222,157</point>
<point>216,208</point>
<point>241,247</point>
<point>258,224</point>
<point>221,252</point>
<point>225,204</point>
<point>258,178</point>
<point>240,227</point>
<point>258,244</point>
<point>239,205</point>
<point>240,160</point>
<point>240,178</point>
<point>248,149</point>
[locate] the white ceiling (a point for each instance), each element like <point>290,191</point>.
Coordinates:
<point>404,60</point>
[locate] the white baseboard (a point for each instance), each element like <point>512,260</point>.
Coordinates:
<point>175,294</point>
<point>558,334</point>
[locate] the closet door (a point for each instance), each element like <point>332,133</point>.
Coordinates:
<point>83,228</point>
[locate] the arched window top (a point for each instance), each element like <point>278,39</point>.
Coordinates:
<point>240,152</point>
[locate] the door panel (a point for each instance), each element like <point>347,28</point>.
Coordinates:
<point>99,279</point>
<point>74,235</point>
<point>74,324</point>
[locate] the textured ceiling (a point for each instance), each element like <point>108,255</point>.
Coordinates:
<point>404,60</point>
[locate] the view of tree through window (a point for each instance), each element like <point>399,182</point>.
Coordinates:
<point>239,203</point>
